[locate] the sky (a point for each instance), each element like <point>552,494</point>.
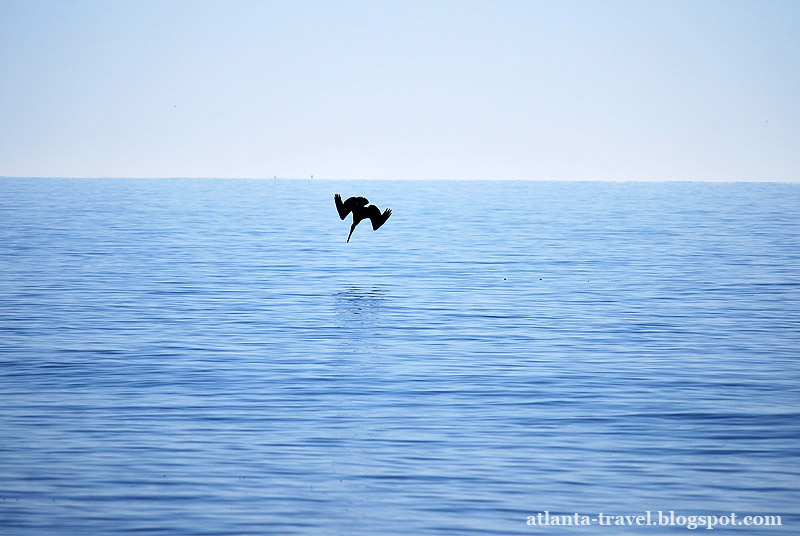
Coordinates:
<point>411,89</point>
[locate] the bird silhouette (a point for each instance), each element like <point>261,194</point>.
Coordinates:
<point>361,210</point>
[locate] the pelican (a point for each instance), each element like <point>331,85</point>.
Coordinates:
<point>361,210</point>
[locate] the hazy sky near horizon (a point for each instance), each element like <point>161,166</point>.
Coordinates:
<point>576,90</point>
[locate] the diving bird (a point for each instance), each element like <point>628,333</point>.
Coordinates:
<point>361,210</point>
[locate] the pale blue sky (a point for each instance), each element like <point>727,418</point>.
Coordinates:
<point>606,90</point>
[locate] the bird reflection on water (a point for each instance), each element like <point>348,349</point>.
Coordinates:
<point>360,314</point>
<point>361,305</point>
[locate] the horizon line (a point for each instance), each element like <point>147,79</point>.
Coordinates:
<point>415,179</point>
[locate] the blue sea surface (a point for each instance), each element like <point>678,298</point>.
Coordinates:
<point>210,357</point>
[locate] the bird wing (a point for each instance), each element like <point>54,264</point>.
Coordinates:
<point>343,208</point>
<point>375,216</point>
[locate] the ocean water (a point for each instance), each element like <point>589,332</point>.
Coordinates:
<point>210,356</point>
